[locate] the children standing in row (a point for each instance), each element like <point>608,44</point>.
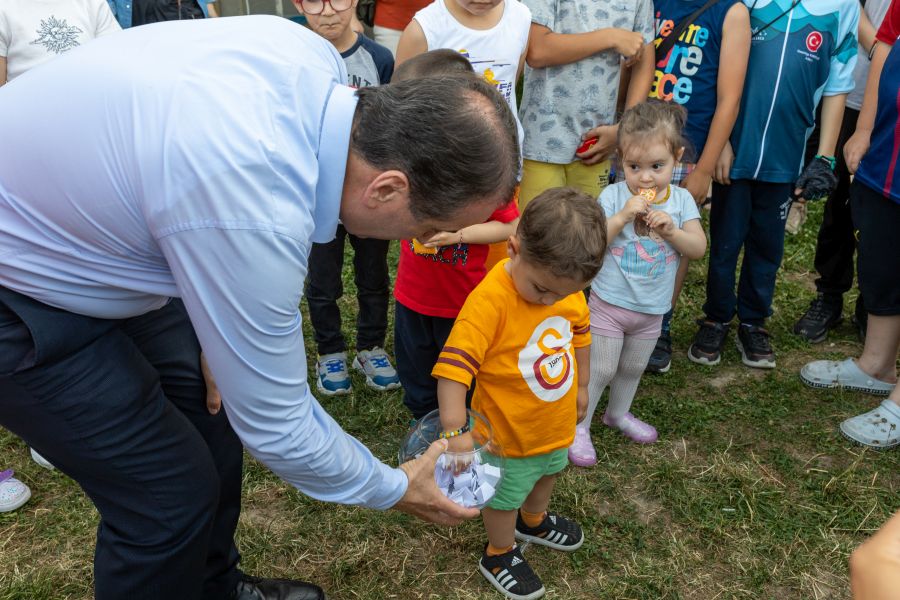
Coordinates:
<point>367,64</point>
<point>572,76</point>
<point>692,73</point>
<point>524,332</point>
<point>435,276</point>
<point>810,48</point>
<point>650,224</point>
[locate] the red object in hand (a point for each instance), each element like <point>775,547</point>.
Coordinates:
<point>586,145</point>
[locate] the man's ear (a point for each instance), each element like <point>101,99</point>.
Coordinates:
<point>387,186</point>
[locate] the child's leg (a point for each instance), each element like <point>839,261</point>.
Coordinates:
<point>763,251</point>
<point>500,526</point>
<point>635,354</point>
<point>605,352</point>
<point>590,179</point>
<point>417,347</point>
<point>323,289</point>
<point>537,177</point>
<point>373,290</point>
<point>729,222</point>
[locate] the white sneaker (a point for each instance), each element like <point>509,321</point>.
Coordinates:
<point>376,366</point>
<point>13,493</point>
<point>878,428</point>
<point>41,460</point>
<point>332,377</point>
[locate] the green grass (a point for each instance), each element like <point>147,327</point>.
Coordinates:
<point>751,492</point>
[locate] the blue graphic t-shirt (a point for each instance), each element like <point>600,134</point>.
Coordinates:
<point>638,271</point>
<point>689,74</point>
<point>879,169</point>
<point>800,51</point>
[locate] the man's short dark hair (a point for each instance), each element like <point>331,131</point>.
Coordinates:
<point>563,230</point>
<point>434,63</point>
<point>453,136</point>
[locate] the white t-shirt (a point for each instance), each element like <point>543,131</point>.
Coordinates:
<point>639,268</point>
<point>34,31</point>
<point>494,53</point>
<point>875,10</point>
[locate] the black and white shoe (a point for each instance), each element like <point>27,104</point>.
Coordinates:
<point>554,532</point>
<point>511,574</point>
<point>754,346</point>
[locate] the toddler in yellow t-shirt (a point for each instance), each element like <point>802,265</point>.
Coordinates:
<point>524,331</point>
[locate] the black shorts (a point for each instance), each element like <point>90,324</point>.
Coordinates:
<point>877,220</point>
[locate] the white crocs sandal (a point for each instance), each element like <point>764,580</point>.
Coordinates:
<point>878,428</point>
<point>845,374</point>
<point>13,493</point>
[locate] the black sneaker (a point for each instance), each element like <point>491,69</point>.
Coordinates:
<point>554,532</point>
<point>511,574</point>
<point>661,359</point>
<point>708,342</point>
<point>821,316</point>
<point>257,588</point>
<point>756,351</point>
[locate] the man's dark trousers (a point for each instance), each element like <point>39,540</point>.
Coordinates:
<point>119,406</point>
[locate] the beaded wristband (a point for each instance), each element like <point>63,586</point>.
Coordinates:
<point>449,434</point>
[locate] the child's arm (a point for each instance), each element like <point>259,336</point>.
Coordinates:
<point>690,241</point>
<point>641,80</point>
<point>636,205</point>
<point>817,179</point>
<point>858,144</point>
<point>2,70</point>
<point>482,233</point>
<point>866,32</point>
<point>547,48</point>
<point>452,406</point>
<point>412,42</point>
<point>734,53</point>
<point>583,364</point>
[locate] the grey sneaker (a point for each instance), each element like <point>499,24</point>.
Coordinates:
<point>376,366</point>
<point>333,379</point>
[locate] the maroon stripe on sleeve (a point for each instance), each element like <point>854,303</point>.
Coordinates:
<point>464,354</point>
<point>457,363</point>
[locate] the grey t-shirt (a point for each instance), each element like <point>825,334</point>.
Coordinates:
<point>875,10</point>
<point>368,63</point>
<point>561,103</point>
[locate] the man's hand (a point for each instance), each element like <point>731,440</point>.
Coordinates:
<point>816,181</point>
<point>582,400</point>
<point>722,173</point>
<point>627,43</point>
<point>875,565</point>
<point>661,222</point>
<point>423,499</point>
<point>213,397</point>
<point>856,147</point>
<point>603,148</point>
<point>697,183</point>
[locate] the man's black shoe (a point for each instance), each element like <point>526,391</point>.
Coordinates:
<point>257,588</point>
<point>823,314</point>
<point>661,359</point>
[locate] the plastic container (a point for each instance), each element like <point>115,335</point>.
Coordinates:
<point>471,478</point>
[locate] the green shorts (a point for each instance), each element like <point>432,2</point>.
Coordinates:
<point>520,475</point>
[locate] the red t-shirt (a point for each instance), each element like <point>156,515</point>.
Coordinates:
<point>396,14</point>
<point>437,284</point>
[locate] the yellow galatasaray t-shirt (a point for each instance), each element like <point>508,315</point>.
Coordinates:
<point>523,355</point>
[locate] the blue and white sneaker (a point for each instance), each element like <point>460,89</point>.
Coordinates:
<point>333,378</point>
<point>376,366</point>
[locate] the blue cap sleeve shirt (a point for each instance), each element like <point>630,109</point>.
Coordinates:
<point>808,51</point>
<point>205,159</point>
<point>689,73</point>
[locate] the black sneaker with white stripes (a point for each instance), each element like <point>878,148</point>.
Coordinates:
<point>554,532</point>
<point>511,574</point>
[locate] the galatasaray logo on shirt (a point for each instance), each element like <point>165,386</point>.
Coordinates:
<point>546,361</point>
